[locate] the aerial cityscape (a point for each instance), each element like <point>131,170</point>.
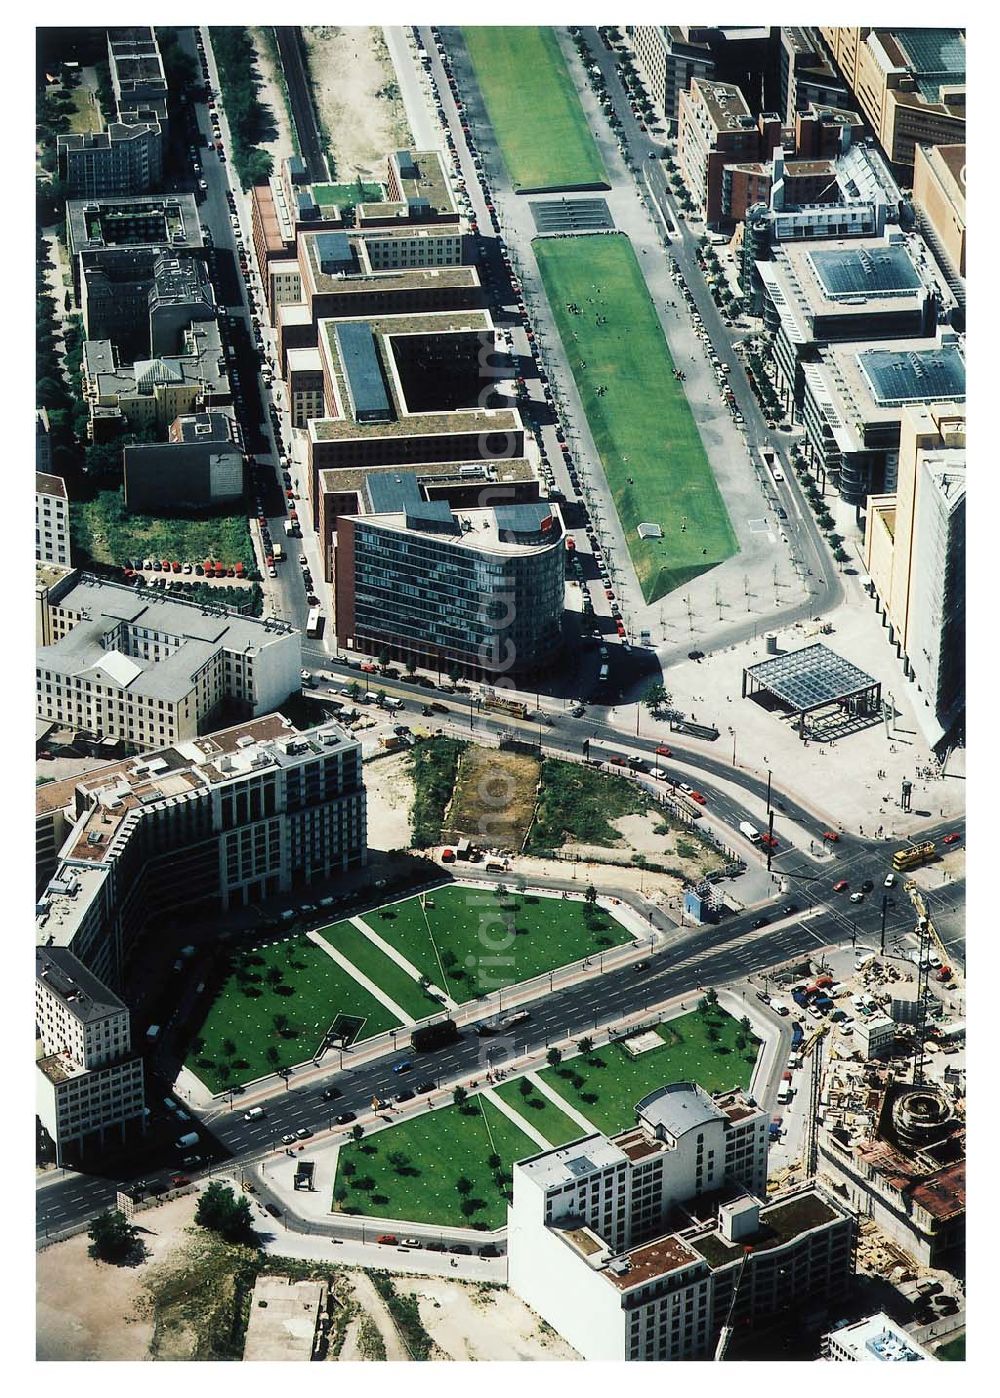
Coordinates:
<point>500,693</point>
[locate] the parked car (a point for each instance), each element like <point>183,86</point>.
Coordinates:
<point>841,886</point>
<point>345,1117</point>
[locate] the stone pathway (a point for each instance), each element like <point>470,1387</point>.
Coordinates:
<point>519,1121</point>
<point>359,976</point>
<point>557,1101</point>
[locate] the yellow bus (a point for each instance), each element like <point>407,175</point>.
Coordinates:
<point>913,856</point>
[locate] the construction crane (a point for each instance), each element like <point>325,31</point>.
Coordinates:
<point>814,1039</point>
<point>924,922</point>
<point>928,938</point>
<point>726,1333</point>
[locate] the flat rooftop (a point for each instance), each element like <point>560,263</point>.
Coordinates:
<point>283,1319</point>
<point>780,1223</point>
<point>554,1168</point>
<point>935,57</point>
<point>436,474</point>
<point>726,106</point>
<point>505,530</point>
<point>866,269</point>
<point>422,178</point>
<point>860,386</point>
<point>650,1260</point>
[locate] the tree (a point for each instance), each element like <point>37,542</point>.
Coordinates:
<point>348,1168</point>
<point>463,1184</point>
<point>280,1023</point>
<point>454,672</point>
<point>711,996</point>
<point>399,1160</point>
<point>275,975</point>
<point>228,1048</point>
<point>585,1045</point>
<point>113,1238</point>
<point>357,1131</point>
<point>494,1161</point>
<point>590,896</point>
<point>745,1024</point>
<point>459,1096</point>
<point>273,1056</point>
<point>383,657</point>
<point>500,892</point>
<point>220,1210</point>
<point>339,1194</point>
<point>524,1087</point>
<point>553,1058</point>
<point>469,1207</point>
<point>411,667</point>
<point>656,698</point>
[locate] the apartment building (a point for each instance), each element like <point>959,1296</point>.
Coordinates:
<point>122,159</point>
<point>220,821</point>
<point>909,83</point>
<point>820,293</point>
<point>807,74</point>
<point>668,58</point>
<point>43,442</point>
<point>151,670</point>
<point>939,198</point>
<point>51,520</point>
<point>200,466</point>
<point>137,75</point>
<point>483,589</point>
<point>89,1082</point>
<point>592,1250</point>
<point>915,557</point>
<point>853,400</point>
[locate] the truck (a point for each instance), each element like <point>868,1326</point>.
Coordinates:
<point>749,832</point>
<point>798,1034</point>
<point>427,1037</point>
<point>289,527</point>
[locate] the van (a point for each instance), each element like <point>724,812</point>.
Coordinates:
<point>254,1114</point>
<point>748,831</point>
<point>152,1032</point>
<point>785,1095</point>
<point>190,1138</point>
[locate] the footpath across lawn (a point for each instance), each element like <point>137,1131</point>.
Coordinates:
<point>533,108</point>
<point>273,1009</point>
<point>468,942</point>
<point>652,454</point>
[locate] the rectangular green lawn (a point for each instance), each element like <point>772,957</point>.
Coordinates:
<point>611,1081</point>
<point>466,922</point>
<point>533,108</point>
<point>387,974</point>
<point>545,1116</point>
<point>344,194</point>
<point>440,1147</point>
<point>652,454</point>
<point>320,991</point>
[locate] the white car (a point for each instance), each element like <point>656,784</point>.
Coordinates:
<point>683,786</point>
<point>890,881</point>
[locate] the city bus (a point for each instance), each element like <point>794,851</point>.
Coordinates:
<point>913,856</point>
<point>314,622</point>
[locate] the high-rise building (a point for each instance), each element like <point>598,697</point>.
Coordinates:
<point>915,556</point>
<point>592,1250</point>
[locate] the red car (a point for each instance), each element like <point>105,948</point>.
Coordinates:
<point>387,1238</point>
<point>697,796</point>
<point>609,594</point>
<point>951,839</point>
<point>770,841</point>
<point>664,752</point>
<point>841,886</point>
<point>177,1180</point>
<point>831,835</point>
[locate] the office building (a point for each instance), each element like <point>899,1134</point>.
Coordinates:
<point>668,58</point>
<point>89,1081</point>
<point>51,520</point>
<point>815,294</point>
<point>895,1153</point>
<point>939,199</point>
<point>874,1339</point>
<point>908,83</point>
<point>643,1245</point>
<point>853,400</point>
<point>221,821</point>
<point>807,75</point>
<point>431,373</point>
<point>915,557</point>
<point>200,466</point>
<point>153,392</point>
<point>483,589</point>
<point>148,670</point>
<point>120,160</point>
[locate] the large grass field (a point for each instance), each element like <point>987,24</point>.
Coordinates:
<point>240,1039</point>
<point>103,530</point>
<point>386,973</point>
<point>653,457</point>
<point>605,1085</point>
<point>533,108</point>
<point>436,1150</point>
<point>410,1171</point>
<point>462,944</point>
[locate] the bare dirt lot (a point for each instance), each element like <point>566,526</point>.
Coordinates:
<point>357,96</point>
<point>660,840</point>
<point>390,800</point>
<point>470,1321</point>
<point>494,798</point>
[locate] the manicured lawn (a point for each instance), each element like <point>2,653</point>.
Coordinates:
<point>463,943</point>
<point>533,108</point>
<point>440,1147</point>
<point>387,974</point>
<point>103,530</point>
<point>643,428</point>
<point>606,1085</point>
<point>545,1116</point>
<point>239,1030</point>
